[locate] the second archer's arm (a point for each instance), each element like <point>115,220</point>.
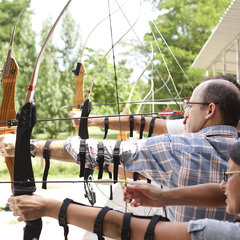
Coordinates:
<point>202,195</point>
<point>57,150</point>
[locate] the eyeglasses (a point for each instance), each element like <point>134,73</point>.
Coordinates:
<point>187,104</point>
<point>227,174</point>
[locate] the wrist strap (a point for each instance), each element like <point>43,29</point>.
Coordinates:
<point>46,156</point>
<point>131,122</point>
<point>142,126</point>
<point>116,160</point>
<point>99,222</point>
<point>125,234</point>
<point>82,153</point>
<point>151,126</point>
<point>100,159</point>
<point>105,168</point>
<point>62,216</point>
<point>135,176</point>
<point>106,127</point>
<point>149,235</point>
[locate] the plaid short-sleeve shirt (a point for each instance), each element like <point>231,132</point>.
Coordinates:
<point>172,161</point>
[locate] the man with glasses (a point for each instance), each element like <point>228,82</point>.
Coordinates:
<point>172,125</point>
<point>195,157</point>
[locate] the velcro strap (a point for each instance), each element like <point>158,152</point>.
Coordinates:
<point>151,226</point>
<point>142,126</point>
<point>106,127</point>
<point>116,160</point>
<point>82,152</point>
<point>99,222</point>
<point>125,234</point>
<point>62,216</point>
<point>135,176</point>
<point>105,168</point>
<point>100,159</point>
<point>150,132</point>
<point>46,156</point>
<point>131,122</point>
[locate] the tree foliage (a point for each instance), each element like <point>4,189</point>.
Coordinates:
<point>24,50</point>
<point>185,25</point>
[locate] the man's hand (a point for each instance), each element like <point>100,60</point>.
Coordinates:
<point>31,207</point>
<point>142,194</point>
<point>7,145</point>
<point>75,114</point>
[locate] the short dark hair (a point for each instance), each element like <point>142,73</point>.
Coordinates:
<point>227,98</point>
<point>224,77</point>
<point>234,152</point>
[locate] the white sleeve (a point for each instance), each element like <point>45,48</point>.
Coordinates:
<point>175,126</point>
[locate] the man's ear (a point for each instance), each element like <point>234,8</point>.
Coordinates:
<point>211,110</point>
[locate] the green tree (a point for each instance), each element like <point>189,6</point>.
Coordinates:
<point>104,87</point>
<point>68,53</point>
<point>48,91</point>
<point>185,25</point>
<point>23,47</point>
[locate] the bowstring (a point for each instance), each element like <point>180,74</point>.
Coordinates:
<point>173,55</point>
<point>116,84</point>
<point>147,54</point>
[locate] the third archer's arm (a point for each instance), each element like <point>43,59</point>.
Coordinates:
<point>32,207</point>
<point>159,126</point>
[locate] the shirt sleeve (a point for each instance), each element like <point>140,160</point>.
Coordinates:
<point>143,156</point>
<point>213,229</point>
<point>175,126</point>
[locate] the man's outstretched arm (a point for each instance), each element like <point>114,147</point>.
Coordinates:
<point>203,195</point>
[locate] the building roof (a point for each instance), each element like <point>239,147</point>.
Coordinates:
<point>219,53</point>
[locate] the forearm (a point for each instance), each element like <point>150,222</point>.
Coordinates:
<point>203,195</point>
<point>114,124</point>
<point>84,217</point>
<point>57,151</point>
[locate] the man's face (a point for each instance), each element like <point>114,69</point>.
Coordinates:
<point>195,116</point>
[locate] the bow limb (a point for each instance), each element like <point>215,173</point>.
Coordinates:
<point>24,182</point>
<point>32,86</point>
<point>122,134</point>
<point>9,77</point>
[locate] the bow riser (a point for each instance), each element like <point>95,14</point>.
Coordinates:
<point>78,95</point>
<point>7,110</point>
<point>23,165</point>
